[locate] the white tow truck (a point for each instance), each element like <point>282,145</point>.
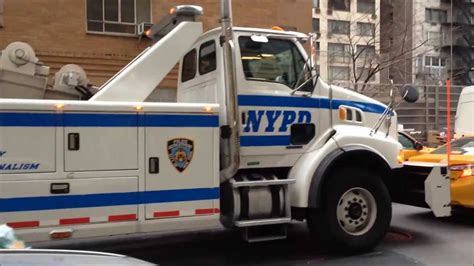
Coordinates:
<point>256,141</point>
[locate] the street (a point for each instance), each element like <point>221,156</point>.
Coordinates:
<point>416,238</point>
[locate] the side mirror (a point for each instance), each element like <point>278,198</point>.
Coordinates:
<point>418,146</point>
<point>409,93</point>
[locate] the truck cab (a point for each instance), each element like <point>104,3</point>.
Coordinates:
<point>277,123</point>
<point>308,133</point>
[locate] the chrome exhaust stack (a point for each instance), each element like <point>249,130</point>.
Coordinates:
<point>230,152</point>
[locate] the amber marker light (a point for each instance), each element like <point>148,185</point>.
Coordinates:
<point>62,234</point>
<point>139,108</point>
<point>148,32</point>
<point>59,106</point>
<point>208,109</point>
<point>342,113</point>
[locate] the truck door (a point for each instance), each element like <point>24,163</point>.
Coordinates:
<point>274,121</point>
<point>181,165</point>
<point>101,161</point>
<point>199,79</point>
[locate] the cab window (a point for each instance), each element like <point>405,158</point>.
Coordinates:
<point>207,57</point>
<point>188,69</point>
<point>274,61</point>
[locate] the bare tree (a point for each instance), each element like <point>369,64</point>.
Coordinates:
<point>363,53</point>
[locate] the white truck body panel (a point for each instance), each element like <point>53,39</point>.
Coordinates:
<point>29,151</point>
<point>109,183</point>
<point>96,144</point>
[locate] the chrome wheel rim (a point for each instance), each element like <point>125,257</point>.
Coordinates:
<point>356,211</point>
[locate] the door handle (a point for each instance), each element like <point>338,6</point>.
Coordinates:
<point>73,141</point>
<point>154,165</point>
<point>60,188</point>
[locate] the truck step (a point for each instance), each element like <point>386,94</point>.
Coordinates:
<point>262,183</point>
<point>260,222</point>
<point>264,233</point>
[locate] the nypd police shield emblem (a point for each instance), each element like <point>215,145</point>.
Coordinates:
<point>180,152</point>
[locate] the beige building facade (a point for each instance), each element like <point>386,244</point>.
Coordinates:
<point>349,40</point>
<point>436,53</point>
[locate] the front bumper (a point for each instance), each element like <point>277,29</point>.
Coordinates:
<point>462,192</point>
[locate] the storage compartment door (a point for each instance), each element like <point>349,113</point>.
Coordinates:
<point>68,202</point>
<point>181,169</point>
<point>100,142</point>
<point>27,142</point>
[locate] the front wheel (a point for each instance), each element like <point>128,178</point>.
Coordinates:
<point>355,214</point>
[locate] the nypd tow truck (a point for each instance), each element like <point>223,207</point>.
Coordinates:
<point>256,141</point>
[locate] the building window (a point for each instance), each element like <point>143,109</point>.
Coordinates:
<point>341,5</point>
<point>366,51</point>
<point>339,27</point>
<point>316,25</point>
<point>207,58</point>
<point>338,53</point>
<point>339,73</point>
<point>365,29</point>
<point>117,16</point>
<point>188,68</point>
<point>435,65</point>
<point>315,3</point>
<point>433,38</point>
<point>363,73</point>
<point>366,6</point>
<point>436,15</point>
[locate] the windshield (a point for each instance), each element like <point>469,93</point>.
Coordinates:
<point>276,60</point>
<point>463,146</point>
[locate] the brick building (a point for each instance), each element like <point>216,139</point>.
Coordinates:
<point>100,35</point>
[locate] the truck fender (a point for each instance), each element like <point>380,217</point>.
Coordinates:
<point>322,171</point>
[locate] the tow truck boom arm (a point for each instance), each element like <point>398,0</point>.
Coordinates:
<point>137,80</point>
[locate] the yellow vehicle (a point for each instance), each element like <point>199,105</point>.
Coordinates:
<point>461,169</point>
<point>411,147</point>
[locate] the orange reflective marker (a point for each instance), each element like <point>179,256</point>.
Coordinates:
<point>448,135</point>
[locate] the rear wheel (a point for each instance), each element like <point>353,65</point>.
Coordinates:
<point>356,211</point>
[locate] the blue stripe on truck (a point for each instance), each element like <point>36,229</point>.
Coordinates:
<point>106,199</point>
<point>306,102</point>
<point>264,141</point>
<point>27,119</point>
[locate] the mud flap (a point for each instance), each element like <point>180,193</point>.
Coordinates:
<point>438,191</point>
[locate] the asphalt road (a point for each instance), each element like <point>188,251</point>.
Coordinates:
<point>416,238</point>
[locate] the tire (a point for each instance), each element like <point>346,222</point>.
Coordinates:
<point>355,214</point>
